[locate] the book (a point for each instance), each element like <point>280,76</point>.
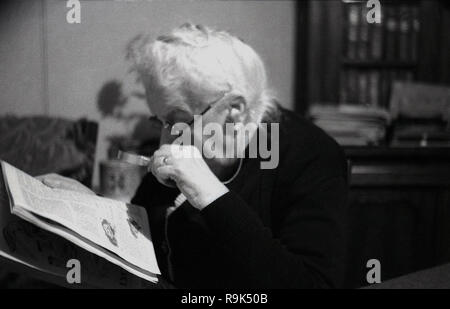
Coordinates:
<point>352,125</point>
<point>391,33</point>
<point>363,42</point>
<point>376,41</point>
<point>352,86</point>
<point>110,239</point>
<point>363,88</point>
<point>404,45</point>
<point>420,100</point>
<point>374,88</point>
<point>384,88</point>
<point>352,20</point>
<point>343,87</point>
<point>415,26</point>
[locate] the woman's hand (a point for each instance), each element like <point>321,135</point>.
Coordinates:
<point>65,183</point>
<point>185,167</point>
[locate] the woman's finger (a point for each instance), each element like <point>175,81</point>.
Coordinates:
<point>57,183</point>
<point>166,175</point>
<point>47,176</point>
<point>48,182</point>
<point>164,150</point>
<point>154,164</point>
<point>56,178</point>
<point>165,172</point>
<point>41,177</point>
<point>161,160</point>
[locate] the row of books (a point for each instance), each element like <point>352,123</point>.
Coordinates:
<point>352,125</point>
<point>370,87</point>
<point>394,39</point>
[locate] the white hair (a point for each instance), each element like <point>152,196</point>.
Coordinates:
<point>194,59</point>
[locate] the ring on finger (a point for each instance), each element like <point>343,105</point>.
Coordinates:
<point>164,161</point>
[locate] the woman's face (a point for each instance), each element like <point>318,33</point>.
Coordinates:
<point>171,111</point>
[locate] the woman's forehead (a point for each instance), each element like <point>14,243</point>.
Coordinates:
<point>187,99</point>
<point>164,104</point>
<point>165,107</point>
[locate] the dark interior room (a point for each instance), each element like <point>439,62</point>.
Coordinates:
<point>360,196</point>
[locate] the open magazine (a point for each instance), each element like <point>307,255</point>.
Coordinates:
<point>43,228</point>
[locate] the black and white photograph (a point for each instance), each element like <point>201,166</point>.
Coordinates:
<point>208,147</point>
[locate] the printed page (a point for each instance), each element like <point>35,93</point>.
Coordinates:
<point>87,245</point>
<point>116,226</point>
<point>41,251</point>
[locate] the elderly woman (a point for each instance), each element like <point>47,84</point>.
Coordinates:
<point>223,221</point>
<point>235,224</point>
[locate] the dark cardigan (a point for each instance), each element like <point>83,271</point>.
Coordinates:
<point>280,228</point>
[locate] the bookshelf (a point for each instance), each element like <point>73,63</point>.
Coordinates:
<point>399,196</point>
<point>376,54</point>
<point>351,61</point>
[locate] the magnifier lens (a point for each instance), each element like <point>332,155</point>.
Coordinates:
<point>133,158</point>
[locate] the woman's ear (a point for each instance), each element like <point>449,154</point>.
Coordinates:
<point>237,107</point>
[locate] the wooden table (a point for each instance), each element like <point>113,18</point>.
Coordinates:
<point>434,278</point>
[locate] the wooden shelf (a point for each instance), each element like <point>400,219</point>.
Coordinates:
<point>399,166</point>
<point>397,152</point>
<point>378,64</point>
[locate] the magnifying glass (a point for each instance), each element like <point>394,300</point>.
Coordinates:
<point>133,158</point>
<point>144,161</point>
<point>140,160</point>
